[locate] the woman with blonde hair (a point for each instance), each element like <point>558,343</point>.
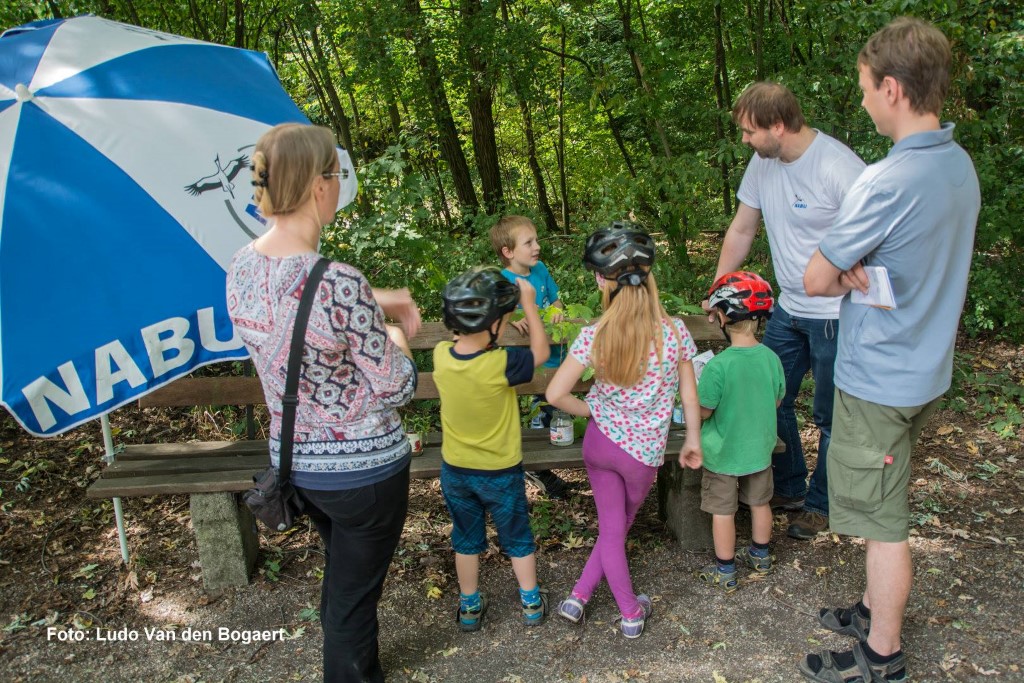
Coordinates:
<point>350,453</point>
<point>641,359</point>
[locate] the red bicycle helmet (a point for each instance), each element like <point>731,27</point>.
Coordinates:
<point>742,295</point>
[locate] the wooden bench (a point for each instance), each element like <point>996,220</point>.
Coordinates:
<point>214,472</point>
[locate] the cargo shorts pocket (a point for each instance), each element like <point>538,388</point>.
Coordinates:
<point>855,477</point>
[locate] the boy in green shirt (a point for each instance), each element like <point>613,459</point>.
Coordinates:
<point>739,391</point>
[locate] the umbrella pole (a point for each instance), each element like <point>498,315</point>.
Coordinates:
<point>108,442</point>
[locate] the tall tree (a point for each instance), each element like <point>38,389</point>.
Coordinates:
<point>723,97</point>
<point>430,72</point>
<point>520,76</point>
<point>476,36</point>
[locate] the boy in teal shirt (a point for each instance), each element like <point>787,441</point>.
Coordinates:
<point>514,239</point>
<point>739,391</point>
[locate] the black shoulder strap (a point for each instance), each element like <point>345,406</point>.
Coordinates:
<point>290,400</point>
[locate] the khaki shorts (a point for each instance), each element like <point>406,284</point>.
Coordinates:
<point>720,493</point>
<point>869,467</point>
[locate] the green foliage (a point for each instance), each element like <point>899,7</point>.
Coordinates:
<point>420,421</point>
<point>995,300</point>
<point>271,569</point>
<point>989,393</point>
<point>614,113</point>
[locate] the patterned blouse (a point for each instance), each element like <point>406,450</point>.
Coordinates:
<point>347,430</point>
<point>637,418</point>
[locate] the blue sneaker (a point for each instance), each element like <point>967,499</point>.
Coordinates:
<point>632,628</point>
<point>536,614</point>
<point>472,620</point>
<point>572,608</point>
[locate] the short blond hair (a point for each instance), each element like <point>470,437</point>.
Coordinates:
<point>504,233</point>
<point>917,55</point>
<point>287,160</point>
<point>744,326</point>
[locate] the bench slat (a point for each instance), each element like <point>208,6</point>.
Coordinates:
<point>172,468</point>
<point>240,391</point>
<point>433,332</point>
<point>212,482</point>
<point>194,449</point>
<point>179,466</point>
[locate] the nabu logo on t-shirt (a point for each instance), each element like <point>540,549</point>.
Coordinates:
<point>799,203</point>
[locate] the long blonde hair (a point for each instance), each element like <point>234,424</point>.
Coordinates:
<point>630,323</point>
<point>287,160</point>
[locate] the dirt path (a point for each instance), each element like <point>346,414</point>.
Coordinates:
<point>60,570</point>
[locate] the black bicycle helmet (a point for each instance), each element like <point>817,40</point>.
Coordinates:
<point>474,300</point>
<point>622,246</point>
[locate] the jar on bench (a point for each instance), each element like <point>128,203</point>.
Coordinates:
<point>562,429</point>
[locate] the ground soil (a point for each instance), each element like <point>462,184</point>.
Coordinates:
<point>60,568</point>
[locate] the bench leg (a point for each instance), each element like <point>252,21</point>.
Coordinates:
<point>226,538</point>
<point>679,506</point>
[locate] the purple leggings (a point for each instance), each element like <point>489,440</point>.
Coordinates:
<point>620,484</point>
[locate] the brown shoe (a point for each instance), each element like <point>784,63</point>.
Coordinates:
<point>807,525</point>
<point>786,503</point>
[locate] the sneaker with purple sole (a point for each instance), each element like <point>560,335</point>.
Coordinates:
<point>633,627</point>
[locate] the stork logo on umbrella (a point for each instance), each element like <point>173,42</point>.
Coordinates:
<point>223,179</point>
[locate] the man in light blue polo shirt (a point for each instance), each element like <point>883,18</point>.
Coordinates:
<point>914,214</point>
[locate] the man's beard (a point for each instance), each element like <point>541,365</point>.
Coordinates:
<point>769,152</point>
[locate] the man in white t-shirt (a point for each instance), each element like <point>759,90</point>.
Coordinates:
<point>796,181</point>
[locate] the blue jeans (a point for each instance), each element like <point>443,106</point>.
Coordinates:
<point>803,344</point>
<point>469,497</point>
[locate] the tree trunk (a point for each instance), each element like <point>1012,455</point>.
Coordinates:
<point>239,24</point>
<point>320,78</point>
<point>543,204</point>
<point>451,149</point>
<point>384,62</point>
<point>723,100</point>
<point>613,127</point>
<point>755,14</point>
<point>480,104</point>
<point>561,139</point>
<point>638,74</point>
<point>197,20</point>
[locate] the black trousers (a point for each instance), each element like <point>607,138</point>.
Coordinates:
<point>360,529</point>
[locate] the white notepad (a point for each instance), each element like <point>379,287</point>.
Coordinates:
<point>879,292</point>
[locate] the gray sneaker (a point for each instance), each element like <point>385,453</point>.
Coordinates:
<point>632,628</point>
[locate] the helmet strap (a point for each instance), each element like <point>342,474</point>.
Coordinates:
<point>632,278</point>
<point>725,331</point>
<point>492,333</point>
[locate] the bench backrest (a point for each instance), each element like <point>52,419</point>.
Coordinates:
<point>227,391</point>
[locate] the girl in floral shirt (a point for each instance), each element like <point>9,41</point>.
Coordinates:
<point>641,359</point>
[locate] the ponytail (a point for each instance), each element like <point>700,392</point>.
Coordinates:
<point>630,323</point>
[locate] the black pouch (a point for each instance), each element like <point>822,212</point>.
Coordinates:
<point>275,504</point>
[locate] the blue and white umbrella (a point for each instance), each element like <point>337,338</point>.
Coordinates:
<point>124,192</point>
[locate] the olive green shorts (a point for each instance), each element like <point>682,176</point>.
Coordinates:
<point>720,493</point>
<point>869,467</point>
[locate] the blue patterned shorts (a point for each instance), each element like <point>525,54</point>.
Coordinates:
<point>470,497</point>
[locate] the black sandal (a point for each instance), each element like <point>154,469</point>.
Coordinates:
<point>855,626</point>
<point>862,671</point>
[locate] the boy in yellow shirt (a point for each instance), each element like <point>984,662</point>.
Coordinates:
<point>482,451</point>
